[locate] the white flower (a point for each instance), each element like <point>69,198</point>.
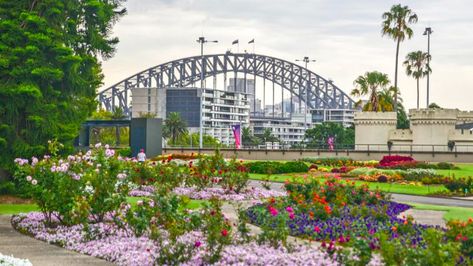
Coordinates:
<point>34,182</point>
<point>29,178</point>
<point>107,146</point>
<point>98,145</point>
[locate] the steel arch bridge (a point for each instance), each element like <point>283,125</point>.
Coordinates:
<point>314,90</point>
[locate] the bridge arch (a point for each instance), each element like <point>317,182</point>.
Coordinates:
<point>314,90</point>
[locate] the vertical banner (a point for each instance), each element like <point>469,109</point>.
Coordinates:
<point>237,135</point>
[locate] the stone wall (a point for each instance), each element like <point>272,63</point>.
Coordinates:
<point>373,127</point>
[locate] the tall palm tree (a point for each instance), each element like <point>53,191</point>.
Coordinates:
<point>371,83</point>
<point>175,126</point>
<point>395,25</point>
<point>417,66</point>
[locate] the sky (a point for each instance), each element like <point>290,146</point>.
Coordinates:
<point>343,36</point>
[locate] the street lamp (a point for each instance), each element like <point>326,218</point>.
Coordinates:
<point>427,32</point>
<point>202,41</point>
<point>306,61</point>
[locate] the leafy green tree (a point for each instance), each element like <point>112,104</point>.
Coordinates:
<point>417,66</point>
<point>248,139</point>
<point>395,25</point>
<point>174,126</point>
<point>371,83</point>
<point>49,70</point>
<point>317,136</point>
<point>268,136</point>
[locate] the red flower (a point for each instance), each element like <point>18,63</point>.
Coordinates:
<point>224,232</point>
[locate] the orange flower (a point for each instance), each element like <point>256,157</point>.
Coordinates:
<point>406,222</point>
<point>394,228</point>
<point>311,215</point>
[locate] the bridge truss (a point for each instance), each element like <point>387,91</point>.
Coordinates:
<point>315,91</point>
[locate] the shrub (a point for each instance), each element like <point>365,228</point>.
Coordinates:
<point>75,188</point>
<point>7,188</point>
<point>459,185</point>
<point>313,167</point>
<point>275,167</point>
<point>125,152</point>
<point>382,179</point>
<point>445,166</point>
<point>234,176</point>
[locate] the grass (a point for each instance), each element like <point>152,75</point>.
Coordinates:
<point>386,187</point>
<point>451,212</point>
<point>19,208</point>
<point>464,170</point>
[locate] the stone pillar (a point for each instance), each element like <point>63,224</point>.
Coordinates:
<point>372,128</point>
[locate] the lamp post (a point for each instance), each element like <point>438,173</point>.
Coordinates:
<point>306,61</point>
<point>427,32</point>
<point>202,41</point>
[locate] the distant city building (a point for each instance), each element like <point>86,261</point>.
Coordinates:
<point>344,116</point>
<point>289,130</point>
<point>221,109</point>
<point>239,85</point>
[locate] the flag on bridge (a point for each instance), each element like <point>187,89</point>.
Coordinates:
<point>235,42</point>
<point>252,41</point>
<point>237,135</point>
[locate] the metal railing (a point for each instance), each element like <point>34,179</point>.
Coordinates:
<point>395,148</point>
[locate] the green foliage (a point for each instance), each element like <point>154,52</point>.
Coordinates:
<point>49,71</point>
<point>459,185</point>
<point>234,176</point>
<point>275,167</point>
<point>248,139</point>
<point>317,136</point>
<point>434,251</point>
<point>372,83</point>
<point>217,229</point>
<point>267,136</point>
<point>80,187</point>
<point>174,126</point>
<point>7,188</point>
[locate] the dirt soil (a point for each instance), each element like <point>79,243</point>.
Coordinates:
<point>8,199</point>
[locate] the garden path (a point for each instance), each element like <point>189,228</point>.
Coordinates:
<point>38,252</point>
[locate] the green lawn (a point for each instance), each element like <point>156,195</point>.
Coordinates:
<point>465,170</point>
<point>452,213</point>
<point>19,208</point>
<point>386,187</point>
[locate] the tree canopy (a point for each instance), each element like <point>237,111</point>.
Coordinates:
<point>50,70</point>
<point>317,136</point>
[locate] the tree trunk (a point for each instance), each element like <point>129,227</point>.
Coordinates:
<point>395,75</point>
<point>417,93</point>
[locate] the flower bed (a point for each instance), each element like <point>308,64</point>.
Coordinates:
<point>207,193</point>
<point>12,261</point>
<point>119,246</point>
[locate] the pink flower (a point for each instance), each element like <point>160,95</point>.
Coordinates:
<point>289,209</point>
<point>273,211</point>
<point>197,244</point>
<point>291,216</point>
<point>317,229</point>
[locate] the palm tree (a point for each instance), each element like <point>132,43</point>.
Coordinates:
<point>268,136</point>
<point>396,26</point>
<point>175,126</point>
<point>417,66</point>
<point>371,84</point>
